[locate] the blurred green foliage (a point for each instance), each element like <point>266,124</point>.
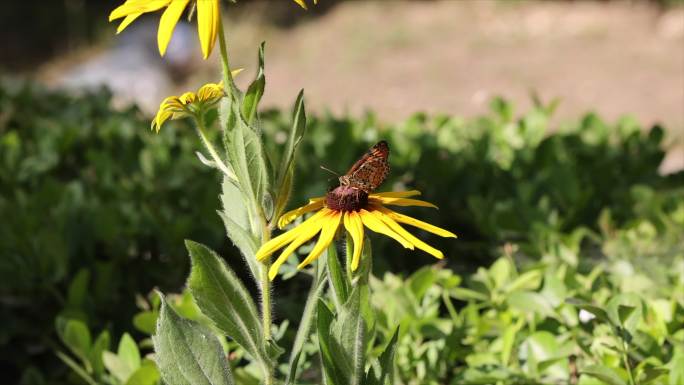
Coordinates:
<point>95,209</point>
<point>90,198</point>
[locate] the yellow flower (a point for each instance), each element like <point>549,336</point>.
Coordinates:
<point>208,18</point>
<point>353,209</point>
<point>175,107</point>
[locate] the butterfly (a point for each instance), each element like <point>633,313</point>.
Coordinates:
<point>370,170</point>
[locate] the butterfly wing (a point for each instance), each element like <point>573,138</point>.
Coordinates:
<point>370,171</point>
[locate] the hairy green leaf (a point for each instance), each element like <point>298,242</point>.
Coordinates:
<point>222,297</point>
<point>187,352</point>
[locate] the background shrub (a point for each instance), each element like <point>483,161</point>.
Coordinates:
<point>95,208</point>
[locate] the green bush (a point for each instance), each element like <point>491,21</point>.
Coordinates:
<point>95,209</point>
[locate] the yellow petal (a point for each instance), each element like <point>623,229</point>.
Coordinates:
<point>137,6</point>
<point>395,194</point>
<point>417,223</point>
<point>210,91</point>
<point>187,98</point>
<point>301,3</point>
<point>303,237</point>
<point>162,116</point>
<point>207,24</point>
<point>278,242</point>
<point>354,226</point>
<point>411,238</point>
<point>327,234</point>
<point>167,23</point>
<point>401,202</point>
<point>128,20</point>
<point>292,215</point>
<point>380,227</point>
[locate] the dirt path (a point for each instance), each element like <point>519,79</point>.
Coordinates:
<point>396,57</point>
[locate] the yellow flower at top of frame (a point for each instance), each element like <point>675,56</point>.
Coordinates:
<point>208,18</point>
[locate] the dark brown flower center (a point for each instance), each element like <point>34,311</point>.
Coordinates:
<point>346,198</point>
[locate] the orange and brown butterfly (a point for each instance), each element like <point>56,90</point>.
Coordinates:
<point>370,170</point>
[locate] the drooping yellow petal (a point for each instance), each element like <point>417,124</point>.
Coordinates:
<point>417,223</point>
<point>354,226</point>
<point>303,237</point>
<point>207,24</point>
<point>128,20</point>
<point>327,234</point>
<point>278,242</point>
<point>162,116</point>
<point>137,6</point>
<point>167,23</point>
<point>378,226</point>
<point>400,230</point>
<point>401,202</point>
<point>289,216</point>
<point>395,194</point>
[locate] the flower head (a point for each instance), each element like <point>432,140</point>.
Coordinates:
<point>208,19</point>
<point>353,209</point>
<point>188,104</point>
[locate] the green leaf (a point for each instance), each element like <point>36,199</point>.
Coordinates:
<point>100,345</point>
<point>350,331</point>
<point>128,352</point>
<point>593,309</point>
<point>421,281</point>
<point>528,301</point>
<point>255,91</point>
<point>467,294</point>
<point>304,329</point>
<point>187,352</point>
<point>246,154</point>
<point>500,272</point>
<point>625,310</point>
<point>651,373</point>
<point>338,279</point>
<point>604,374</point>
<point>222,297</point>
<point>236,221</point>
<point>330,352</point>
<point>527,281</point>
<point>147,374</point>
<point>77,337</point>
<point>116,366</point>
<point>78,289</point>
<point>146,321</point>
<point>286,168</point>
<point>386,360</point>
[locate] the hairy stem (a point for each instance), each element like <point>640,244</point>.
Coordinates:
<point>225,64</point>
<point>264,282</point>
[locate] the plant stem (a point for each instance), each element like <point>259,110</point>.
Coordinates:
<point>626,359</point>
<point>265,287</point>
<point>264,282</point>
<point>212,151</point>
<point>225,64</point>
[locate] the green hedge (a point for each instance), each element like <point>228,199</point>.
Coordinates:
<point>95,207</point>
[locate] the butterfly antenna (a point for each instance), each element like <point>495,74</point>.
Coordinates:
<point>330,171</point>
